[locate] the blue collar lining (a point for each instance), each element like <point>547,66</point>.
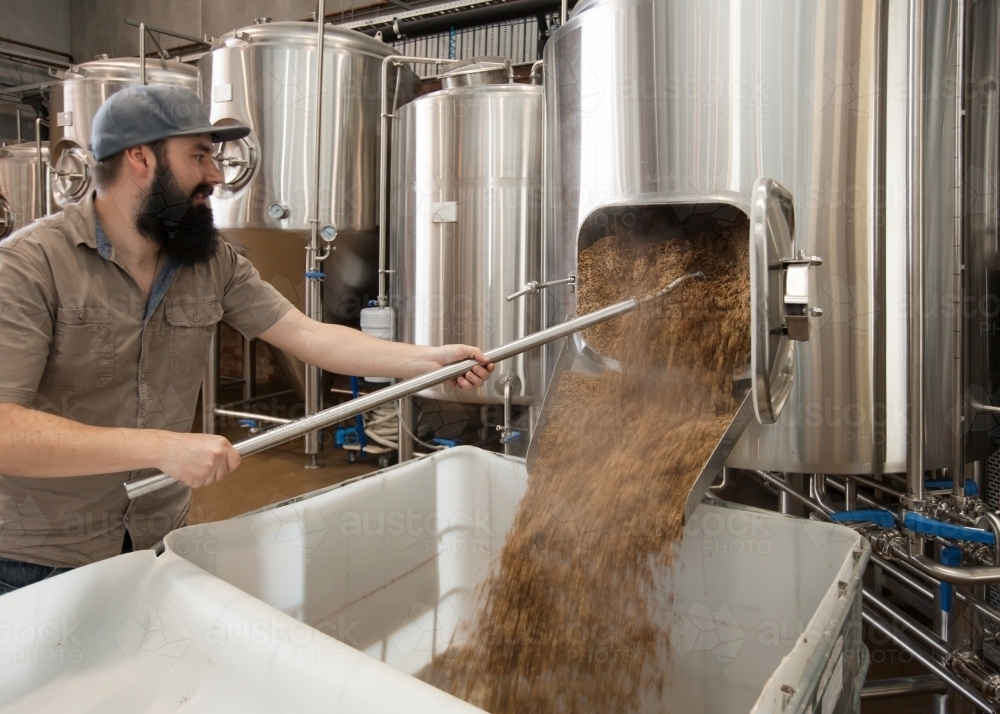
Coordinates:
<point>163,279</point>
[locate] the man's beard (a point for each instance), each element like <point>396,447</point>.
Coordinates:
<point>168,216</point>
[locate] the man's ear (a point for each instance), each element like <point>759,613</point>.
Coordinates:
<point>140,162</point>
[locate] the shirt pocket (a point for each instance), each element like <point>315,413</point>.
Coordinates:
<point>82,355</point>
<point>191,326</point>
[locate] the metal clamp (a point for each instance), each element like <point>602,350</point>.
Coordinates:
<point>535,287</point>
<point>796,300</point>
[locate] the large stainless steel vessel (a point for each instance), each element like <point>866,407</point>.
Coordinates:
<point>466,221</point>
<point>654,104</point>
<point>77,98</point>
<point>264,76</point>
<point>21,198</point>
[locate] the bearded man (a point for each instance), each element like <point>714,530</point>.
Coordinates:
<point>106,313</point>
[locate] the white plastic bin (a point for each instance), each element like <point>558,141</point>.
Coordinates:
<point>138,633</point>
<point>765,608</point>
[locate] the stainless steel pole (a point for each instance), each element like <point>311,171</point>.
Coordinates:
<point>314,262</point>
<point>40,203</point>
<point>333,415</point>
<point>915,263</point>
<point>957,467</point>
<point>142,53</point>
<point>210,386</point>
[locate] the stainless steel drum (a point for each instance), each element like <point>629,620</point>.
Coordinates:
<point>654,104</point>
<point>77,98</point>
<point>21,199</point>
<point>264,77</point>
<point>466,221</point>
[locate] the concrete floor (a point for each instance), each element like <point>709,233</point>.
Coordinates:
<point>269,477</point>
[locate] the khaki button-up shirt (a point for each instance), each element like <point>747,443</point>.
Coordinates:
<point>78,339</point>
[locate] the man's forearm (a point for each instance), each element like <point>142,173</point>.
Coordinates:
<point>38,444</point>
<point>344,350</point>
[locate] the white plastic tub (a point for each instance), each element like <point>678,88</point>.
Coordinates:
<point>138,633</point>
<point>765,608</point>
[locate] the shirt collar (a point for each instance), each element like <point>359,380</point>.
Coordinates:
<point>80,219</point>
<point>102,244</point>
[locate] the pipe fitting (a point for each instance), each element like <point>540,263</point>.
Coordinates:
<point>885,542</point>
<point>967,665</point>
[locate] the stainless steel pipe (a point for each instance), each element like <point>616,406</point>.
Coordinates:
<point>789,491</point>
<point>903,687</point>
<point>333,415</point>
<point>979,575</point>
<point>252,415</point>
<point>927,637</point>
<point>927,660</point>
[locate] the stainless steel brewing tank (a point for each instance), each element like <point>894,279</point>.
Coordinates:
<point>466,225</point>
<point>76,99</point>
<point>264,77</point>
<point>20,203</point>
<point>690,101</point>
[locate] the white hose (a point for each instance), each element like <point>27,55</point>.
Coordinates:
<point>381,426</point>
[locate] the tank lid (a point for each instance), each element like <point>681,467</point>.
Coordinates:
<point>477,70</point>
<point>304,33</point>
<point>22,150</point>
<point>127,68</point>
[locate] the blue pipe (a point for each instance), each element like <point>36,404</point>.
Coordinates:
<point>928,526</point>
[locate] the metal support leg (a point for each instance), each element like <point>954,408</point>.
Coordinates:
<point>787,504</point>
<point>210,386</point>
<point>405,448</point>
<point>249,369</point>
<point>850,494</point>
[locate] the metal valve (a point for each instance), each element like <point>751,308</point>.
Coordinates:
<point>534,287</point>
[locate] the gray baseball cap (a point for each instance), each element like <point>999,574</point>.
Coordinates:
<point>144,114</point>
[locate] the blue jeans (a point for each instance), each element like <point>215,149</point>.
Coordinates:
<point>16,574</point>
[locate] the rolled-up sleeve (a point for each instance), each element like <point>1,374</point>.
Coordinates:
<point>26,299</point>
<point>249,304</point>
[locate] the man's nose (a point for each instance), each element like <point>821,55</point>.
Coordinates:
<point>213,176</point>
